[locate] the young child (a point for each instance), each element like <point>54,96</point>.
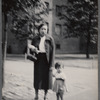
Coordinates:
<point>60,81</point>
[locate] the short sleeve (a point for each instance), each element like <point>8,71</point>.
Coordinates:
<point>63,76</point>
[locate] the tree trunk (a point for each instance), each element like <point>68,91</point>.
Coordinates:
<point>4,43</point>
<point>88,38</point>
<point>4,37</point>
<point>88,45</point>
<point>1,51</point>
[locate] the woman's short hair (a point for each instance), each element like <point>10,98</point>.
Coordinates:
<point>43,24</point>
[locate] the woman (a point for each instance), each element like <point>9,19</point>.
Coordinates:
<point>43,46</point>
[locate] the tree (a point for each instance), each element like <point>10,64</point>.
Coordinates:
<point>22,13</point>
<point>81,20</point>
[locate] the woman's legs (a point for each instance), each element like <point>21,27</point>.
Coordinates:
<point>36,94</point>
<point>61,95</point>
<point>45,94</point>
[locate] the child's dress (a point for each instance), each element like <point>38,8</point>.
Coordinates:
<point>59,83</point>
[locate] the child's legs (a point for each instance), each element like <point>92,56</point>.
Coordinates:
<point>61,95</point>
<point>58,95</point>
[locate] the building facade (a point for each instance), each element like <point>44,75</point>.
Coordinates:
<point>63,45</point>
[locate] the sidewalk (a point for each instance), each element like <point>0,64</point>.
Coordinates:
<point>81,80</point>
<point>66,59</point>
<point>57,56</point>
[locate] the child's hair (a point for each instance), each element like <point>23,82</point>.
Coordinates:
<point>57,65</point>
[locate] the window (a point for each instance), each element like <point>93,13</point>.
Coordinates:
<point>47,4</point>
<point>65,30</point>
<point>57,46</point>
<point>64,9</point>
<point>58,29</point>
<point>58,10</point>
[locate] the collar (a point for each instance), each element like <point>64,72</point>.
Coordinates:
<point>43,38</point>
<point>47,37</point>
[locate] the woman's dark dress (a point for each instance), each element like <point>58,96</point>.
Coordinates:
<point>41,72</point>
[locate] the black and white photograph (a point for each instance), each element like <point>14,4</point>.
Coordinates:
<point>49,49</point>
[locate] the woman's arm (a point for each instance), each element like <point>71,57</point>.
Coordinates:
<point>52,53</point>
<point>33,48</point>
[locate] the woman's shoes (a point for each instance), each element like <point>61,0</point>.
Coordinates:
<point>36,98</point>
<point>45,98</point>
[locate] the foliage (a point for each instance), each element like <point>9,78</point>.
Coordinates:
<point>24,13</point>
<point>78,14</point>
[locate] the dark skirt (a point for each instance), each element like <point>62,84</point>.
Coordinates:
<point>41,72</point>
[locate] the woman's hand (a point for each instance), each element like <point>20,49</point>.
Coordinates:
<point>36,50</point>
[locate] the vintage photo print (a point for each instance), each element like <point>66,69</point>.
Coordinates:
<point>49,49</point>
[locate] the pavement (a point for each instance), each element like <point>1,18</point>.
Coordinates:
<point>81,74</point>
